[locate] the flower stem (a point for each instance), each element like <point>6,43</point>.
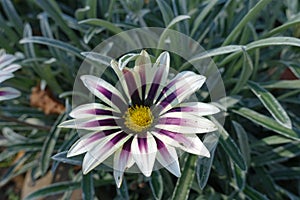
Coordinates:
<point>184,183</point>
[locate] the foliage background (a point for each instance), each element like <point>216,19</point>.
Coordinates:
<point>256,47</point>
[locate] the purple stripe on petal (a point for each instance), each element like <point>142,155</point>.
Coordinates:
<point>152,92</point>
<point>104,122</point>
<point>118,137</point>
<point>98,112</point>
<point>165,102</point>
<point>132,87</point>
<point>127,145</point>
<point>2,93</point>
<point>143,145</point>
<point>175,136</point>
<point>159,144</point>
<point>96,137</point>
<point>171,121</point>
<point>111,96</point>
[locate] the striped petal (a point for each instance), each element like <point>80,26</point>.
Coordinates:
<point>161,67</point>
<point>5,75</point>
<point>122,160</point>
<point>87,142</point>
<point>195,108</point>
<point>105,91</point>
<point>102,151</point>
<point>167,157</point>
<point>98,123</point>
<point>179,90</point>
<point>92,110</point>
<point>133,85</point>
<point>144,151</point>
<point>12,68</point>
<point>185,123</point>
<point>8,93</point>
<point>191,143</point>
<point>6,59</point>
<point>143,67</point>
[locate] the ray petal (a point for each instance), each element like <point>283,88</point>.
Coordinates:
<point>188,143</point>
<point>122,160</point>
<point>102,151</point>
<point>196,108</point>
<point>105,91</point>
<point>167,157</point>
<point>8,93</point>
<point>92,109</point>
<point>185,123</point>
<point>144,151</point>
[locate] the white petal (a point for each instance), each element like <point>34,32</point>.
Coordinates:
<point>122,160</point>
<point>167,157</point>
<point>188,143</point>
<point>12,68</point>
<point>5,75</point>
<point>98,123</point>
<point>185,123</point>
<point>104,91</point>
<point>180,89</point>
<point>89,110</point>
<point>161,68</point>
<point>196,108</point>
<point>87,142</point>
<point>8,93</point>
<point>144,152</point>
<point>102,151</point>
<point>143,67</point>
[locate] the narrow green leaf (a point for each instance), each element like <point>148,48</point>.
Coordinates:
<point>283,27</point>
<point>243,141</point>
<point>251,193</point>
<point>176,20</point>
<point>217,51</point>
<point>230,147</point>
<point>184,183</point>
<point>245,74</point>
<point>166,11</point>
<point>267,42</point>
<point>272,140</point>
<point>285,84</point>
<point>92,4</point>
<point>109,26</point>
<point>12,15</point>
<point>103,23</point>
<point>11,171</point>
<point>87,185</point>
<point>273,41</point>
<point>62,157</point>
<point>55,43</point>
<point>267,122</point>
<point>271,104</point>
<point>204,164</point>
<point>278,154</point>
<point>53,10</point>
<point>156,185</point>
<point>239,177</point>
<point>202,15</point>
<point>286,173</point>
<point>50,142</point>
<point>55,188</point>
<point>252,14</point>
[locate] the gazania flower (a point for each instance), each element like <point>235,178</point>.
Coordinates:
<point>142,122</point>
<point>6,72</point>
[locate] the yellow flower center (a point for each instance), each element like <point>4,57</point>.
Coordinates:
<point>138,118</point>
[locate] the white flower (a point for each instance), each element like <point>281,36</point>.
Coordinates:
<point>143,122</point>
<point>6,72</point>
